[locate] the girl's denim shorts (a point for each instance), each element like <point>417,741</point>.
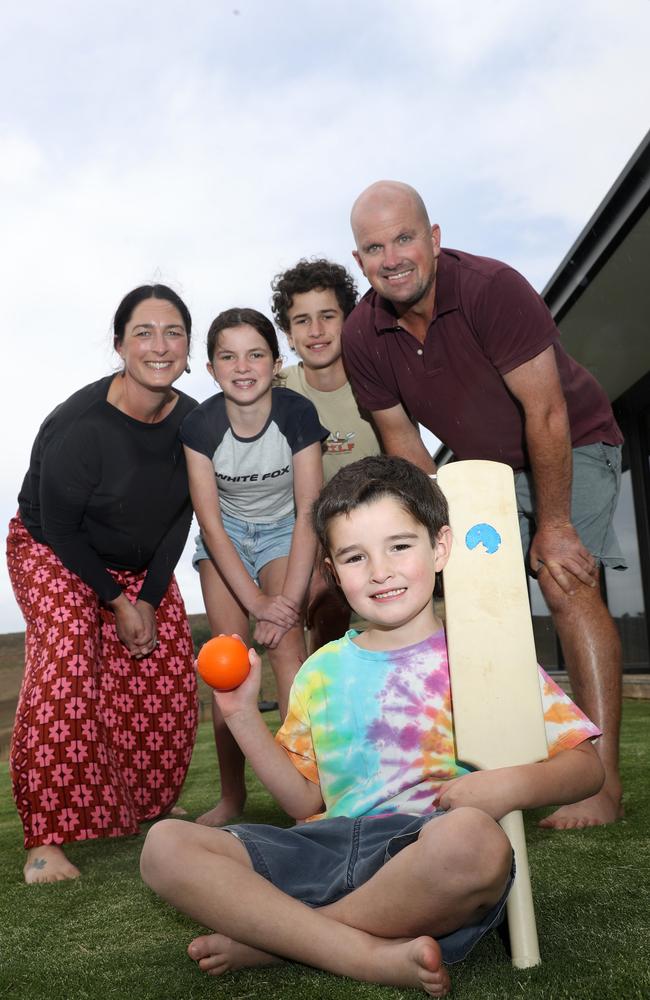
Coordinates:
<point>257,543</point>
<point>323,861</point>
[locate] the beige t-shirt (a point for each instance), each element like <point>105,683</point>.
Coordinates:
<point>352,436</point>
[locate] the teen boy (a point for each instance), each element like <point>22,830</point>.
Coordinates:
<point>408,867</point>
<point>310,304</point>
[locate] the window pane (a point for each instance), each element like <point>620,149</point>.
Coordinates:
<point>624,588</point>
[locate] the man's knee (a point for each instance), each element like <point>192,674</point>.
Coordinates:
<point>584,600</point>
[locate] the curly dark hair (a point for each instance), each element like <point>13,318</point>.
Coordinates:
<point>305,277</point>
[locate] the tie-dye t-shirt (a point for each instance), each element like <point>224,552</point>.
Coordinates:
<point>374,729</point>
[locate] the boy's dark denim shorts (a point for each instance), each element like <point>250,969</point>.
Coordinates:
<point>323,861</point>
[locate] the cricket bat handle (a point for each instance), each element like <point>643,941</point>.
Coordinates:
<point>521,912</point>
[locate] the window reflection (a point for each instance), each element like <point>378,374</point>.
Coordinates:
<point>624,588</point>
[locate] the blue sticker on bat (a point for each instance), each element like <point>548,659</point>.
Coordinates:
<point>485,535</point>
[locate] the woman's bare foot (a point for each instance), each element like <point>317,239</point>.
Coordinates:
<point>598,810</point>
<point>216,954</point>
<point>224,811</point>
<point>48,864</point>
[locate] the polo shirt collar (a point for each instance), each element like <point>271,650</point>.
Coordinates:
<point>447,296</point>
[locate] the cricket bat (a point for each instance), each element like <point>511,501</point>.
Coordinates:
<point>497,705</point>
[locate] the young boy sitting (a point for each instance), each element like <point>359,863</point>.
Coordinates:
<point>405,868</point>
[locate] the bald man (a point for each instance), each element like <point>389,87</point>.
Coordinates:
<point>464,346</point>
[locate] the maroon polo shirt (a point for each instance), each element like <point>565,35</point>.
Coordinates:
<point>487,320</point>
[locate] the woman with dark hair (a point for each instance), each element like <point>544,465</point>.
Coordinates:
<point>107,714</point>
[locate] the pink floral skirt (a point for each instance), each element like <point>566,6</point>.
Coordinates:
<point>101,741</point>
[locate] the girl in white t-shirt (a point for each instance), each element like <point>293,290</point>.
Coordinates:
<point>254,463</point>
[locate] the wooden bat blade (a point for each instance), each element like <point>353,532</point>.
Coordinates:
<point>497,706</point>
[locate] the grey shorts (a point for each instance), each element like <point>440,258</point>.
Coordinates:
<point>323,861</point>
<point>596,485</point>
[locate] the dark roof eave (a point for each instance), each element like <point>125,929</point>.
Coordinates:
<point>622,206</point>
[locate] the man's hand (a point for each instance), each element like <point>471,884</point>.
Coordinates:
<point>561,552</point>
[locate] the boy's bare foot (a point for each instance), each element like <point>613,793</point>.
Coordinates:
<point>224,811</point>
<point>216,954</point>
<point>411,963</point>
<point>598,810</point>
<point>48,864</point>
<point>418,963</point>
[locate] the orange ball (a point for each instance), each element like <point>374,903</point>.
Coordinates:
<point>223,662</point>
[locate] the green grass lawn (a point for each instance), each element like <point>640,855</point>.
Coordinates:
<point>106,936</point>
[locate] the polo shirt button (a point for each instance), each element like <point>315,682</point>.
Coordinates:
<point>420,351</point>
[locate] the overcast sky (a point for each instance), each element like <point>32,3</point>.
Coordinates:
<point>208,145</point>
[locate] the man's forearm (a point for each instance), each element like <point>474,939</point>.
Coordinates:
<point>549,450</point>
<point>403,439</point>
<point>414,450</point>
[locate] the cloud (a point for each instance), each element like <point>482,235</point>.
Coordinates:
<point>211,150</point>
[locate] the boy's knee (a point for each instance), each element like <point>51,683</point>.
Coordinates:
<point>161,844</point>
<point>473,843</point>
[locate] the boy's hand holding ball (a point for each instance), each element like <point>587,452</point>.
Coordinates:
<point>223,662</point>
<point>232,670</point>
